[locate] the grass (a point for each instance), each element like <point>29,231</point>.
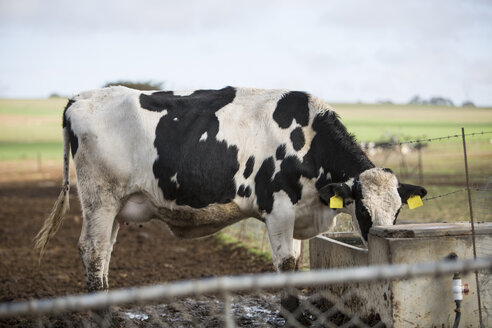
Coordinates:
<point>229,238</point>
<point>30,128</point>
<point>33,107</point>
<point>374,122</point>
<point>30,150</point>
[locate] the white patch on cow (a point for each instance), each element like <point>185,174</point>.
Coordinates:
<point>164,112</point>
<point>349,183</point>
<point>175,119</point>
<point>318,106</point>
<point>204,136</point>
<point>308,137</point>
<point>174,179</point>
<point>380,195</point>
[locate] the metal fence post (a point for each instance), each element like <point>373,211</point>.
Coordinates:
<point>472,226</point>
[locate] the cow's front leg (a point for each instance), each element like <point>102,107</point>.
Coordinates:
<point>285,250</point>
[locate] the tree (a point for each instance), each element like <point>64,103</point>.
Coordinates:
<point>139,85</point>
<point>416,100</point>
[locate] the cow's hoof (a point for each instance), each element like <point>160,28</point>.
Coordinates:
<point>288,264</point>
<point>290,303</point>
<point>102,318</point>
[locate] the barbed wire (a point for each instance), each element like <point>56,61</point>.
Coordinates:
<point>454,192</point>
<point>419,141</point>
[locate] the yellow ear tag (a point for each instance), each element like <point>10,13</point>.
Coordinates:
<point>336,202</point>
<point>414,202</point>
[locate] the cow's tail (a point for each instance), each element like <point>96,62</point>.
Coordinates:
<point>61,207</point>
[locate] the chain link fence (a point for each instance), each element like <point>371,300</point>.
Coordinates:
<point>254,300</point>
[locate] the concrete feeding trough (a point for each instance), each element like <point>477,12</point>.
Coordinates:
<point>416,302</point>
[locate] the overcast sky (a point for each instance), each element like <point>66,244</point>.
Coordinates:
<point>343,51</point>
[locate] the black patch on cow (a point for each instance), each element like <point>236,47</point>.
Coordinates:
<point>74,141</point>
<point>297,138</point>
<point>263,185</point>
<point>249,167</point>
<point>205,169</point>
<point>286,179</point>
<point>361,213</point>
<point>396,216</point>
<point>240,191</point>
<point>244,191</point>
<point>385,169</point>
<point>280,153</point>
<point>292,106</point>
<point>322,181</point>
<point>154,102</point>
<point>334,150</point>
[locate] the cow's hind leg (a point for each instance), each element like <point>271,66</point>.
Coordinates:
<point>96,241</point>
<point>114,233</point>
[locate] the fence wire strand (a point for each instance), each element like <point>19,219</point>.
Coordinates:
<point>423,140</point>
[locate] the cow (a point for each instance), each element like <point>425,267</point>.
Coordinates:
<point>203,160</point>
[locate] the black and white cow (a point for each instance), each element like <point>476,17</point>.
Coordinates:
<point>202,160</point>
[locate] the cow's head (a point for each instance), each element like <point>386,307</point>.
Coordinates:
<point>375,197</point>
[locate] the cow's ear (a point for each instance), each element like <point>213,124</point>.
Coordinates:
<point>407,190</point>
<point>341,189</point>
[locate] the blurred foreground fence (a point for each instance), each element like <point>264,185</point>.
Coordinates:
<point>243,301</point>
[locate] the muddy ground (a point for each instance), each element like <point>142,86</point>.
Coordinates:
<point>145,255</point>
<point>141,256</point>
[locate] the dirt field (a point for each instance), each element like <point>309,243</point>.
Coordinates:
<point>141,255</point>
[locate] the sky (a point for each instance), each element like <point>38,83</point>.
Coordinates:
<point>342,51</point>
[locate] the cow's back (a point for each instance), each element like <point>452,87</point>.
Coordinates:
<point>198,148</point>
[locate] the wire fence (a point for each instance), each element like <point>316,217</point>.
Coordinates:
<point>253,301</point>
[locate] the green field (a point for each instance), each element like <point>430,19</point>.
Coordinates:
<point>373,122</point>
<point>29,127</point>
